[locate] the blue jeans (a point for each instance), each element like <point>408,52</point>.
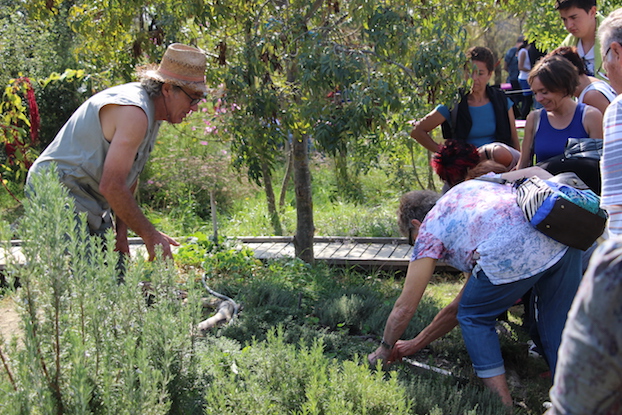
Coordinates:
<point>525,87</point>
<point>527,100</point>
<point>481,303</point>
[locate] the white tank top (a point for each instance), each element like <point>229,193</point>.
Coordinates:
<point>601,86</point>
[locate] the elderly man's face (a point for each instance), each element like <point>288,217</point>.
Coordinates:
<point>612,64</point>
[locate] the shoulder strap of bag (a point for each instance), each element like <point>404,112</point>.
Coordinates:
<point>536,125</point>
<point>454,117</point>
<point>498,180</point>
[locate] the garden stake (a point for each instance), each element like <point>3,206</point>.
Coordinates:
<point>427,367</point>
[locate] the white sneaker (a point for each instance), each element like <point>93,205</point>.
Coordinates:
<point>533,349</point>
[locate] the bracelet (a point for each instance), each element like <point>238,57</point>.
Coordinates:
<point>386,345</point>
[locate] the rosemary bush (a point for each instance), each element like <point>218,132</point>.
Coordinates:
<point>90,344</point>
<point>282,378</point>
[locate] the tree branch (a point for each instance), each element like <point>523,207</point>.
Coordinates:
<point>312,10</point>
<point>8,370</point>
<point>405,69</point>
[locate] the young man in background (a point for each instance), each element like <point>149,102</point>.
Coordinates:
<point>581,19</point>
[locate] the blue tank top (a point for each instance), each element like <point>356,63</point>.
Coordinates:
<point>550,142</point>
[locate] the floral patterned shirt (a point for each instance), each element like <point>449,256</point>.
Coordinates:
<point>478,225</point>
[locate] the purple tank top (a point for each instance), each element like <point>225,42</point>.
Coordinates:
<point>549,141</point>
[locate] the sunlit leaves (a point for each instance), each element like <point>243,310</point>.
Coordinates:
<point>542,22</point>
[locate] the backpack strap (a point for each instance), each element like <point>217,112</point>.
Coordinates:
<point>498,180</point>
<point>454,117</point>
<point>448,127</point>
<point>536,125</point>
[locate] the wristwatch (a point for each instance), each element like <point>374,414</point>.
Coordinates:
<point>386,345</point>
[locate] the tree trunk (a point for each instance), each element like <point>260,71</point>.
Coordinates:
<point>342,178</point>
<point>212,201</point>
<point>430,172</point>
<point>303,240</point>
<point>288,173</point>
<point>272,211</point>
<point>411,150</point>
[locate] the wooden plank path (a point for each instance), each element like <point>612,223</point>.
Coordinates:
<point>367,252</point>
<point>392,253</point>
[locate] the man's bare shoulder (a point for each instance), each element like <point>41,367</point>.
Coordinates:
<point>115,118</point>
<point>116,111</point>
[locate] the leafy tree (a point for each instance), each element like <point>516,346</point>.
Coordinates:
<point>334,72</point>
<point>33,47</point>
<point>115,36</point>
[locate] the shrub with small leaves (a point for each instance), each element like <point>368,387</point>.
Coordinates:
<point>91,343</point>
<point>281,378</point>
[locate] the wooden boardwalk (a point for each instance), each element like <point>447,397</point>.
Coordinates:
<point>390,254</point>
<point>385,253</point>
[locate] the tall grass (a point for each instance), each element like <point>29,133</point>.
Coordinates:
<point>333,215</point>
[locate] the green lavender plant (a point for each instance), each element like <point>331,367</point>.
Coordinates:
<point>277,377</point>
<point>92,344</point>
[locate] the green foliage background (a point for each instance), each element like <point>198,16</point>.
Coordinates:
<point>348,75</point>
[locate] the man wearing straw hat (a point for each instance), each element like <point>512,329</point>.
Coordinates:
<point>101,150</point>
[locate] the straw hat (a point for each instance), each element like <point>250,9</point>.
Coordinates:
<point>181,65</point>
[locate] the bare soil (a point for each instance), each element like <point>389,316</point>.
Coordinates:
<point>9,319</point>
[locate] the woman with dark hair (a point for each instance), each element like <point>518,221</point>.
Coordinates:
<point>591,91</point>
<point>457,161</point>
<point>453,161</point>
<point>489,106</point>
<point>554,81</point>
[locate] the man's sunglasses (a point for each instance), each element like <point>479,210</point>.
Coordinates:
<point>193,100</point>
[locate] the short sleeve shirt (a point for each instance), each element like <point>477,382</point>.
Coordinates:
<point>478,225</point>
<point>611,166</point>
<point>611,161</point>
<point>588,378</point>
